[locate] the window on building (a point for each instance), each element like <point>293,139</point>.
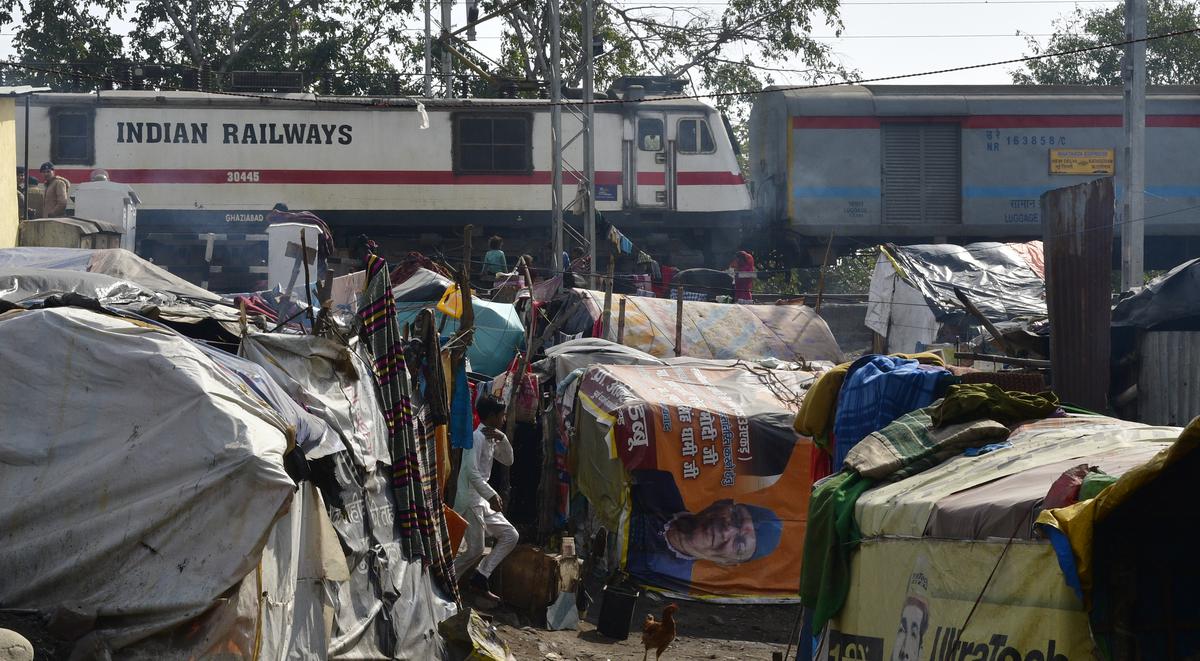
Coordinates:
<point>694,137</point>
<point>650,134</point>
<point>493,143</point>
<point>922,173</point>
<point>71,137</point>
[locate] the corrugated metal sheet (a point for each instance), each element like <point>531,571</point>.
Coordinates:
<point>1169,377</point>
<point>1078,227</point>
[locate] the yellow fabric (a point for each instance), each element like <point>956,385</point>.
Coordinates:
<point>815,417</point>
<point>1077,522</point>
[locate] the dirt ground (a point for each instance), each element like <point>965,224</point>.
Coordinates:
<point>706,631</point>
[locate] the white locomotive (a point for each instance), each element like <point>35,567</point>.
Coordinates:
<point>215,163</point>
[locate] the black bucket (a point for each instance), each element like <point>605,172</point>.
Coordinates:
<point>616,611</point>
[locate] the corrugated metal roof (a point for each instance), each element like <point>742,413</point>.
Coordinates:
<point>1169,377</point>
<point>22,90</point>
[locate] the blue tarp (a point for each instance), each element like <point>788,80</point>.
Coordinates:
<point>499,333</point>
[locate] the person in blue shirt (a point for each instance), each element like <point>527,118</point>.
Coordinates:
<point>665,539</point>
<point>494,260</point>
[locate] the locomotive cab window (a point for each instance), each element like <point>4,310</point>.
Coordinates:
<point>650,134</point>
<point>493,144</point>
<point>71,137</point>
<point>694,137</point>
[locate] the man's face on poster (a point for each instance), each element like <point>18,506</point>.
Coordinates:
<point>722,533</point>
<point>910,637</point>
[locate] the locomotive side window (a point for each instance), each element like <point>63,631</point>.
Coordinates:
<point>493,144</point>
<point>71,137</point>
<point>694,137</point>
<point>650,134</point>
<point>922,173</point>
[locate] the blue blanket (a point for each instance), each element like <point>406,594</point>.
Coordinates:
<point>878,389</point>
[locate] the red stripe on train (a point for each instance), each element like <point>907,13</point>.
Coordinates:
<point>997,121</point>
<point>387,177</point>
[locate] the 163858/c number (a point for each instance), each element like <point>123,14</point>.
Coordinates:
<point>242,177</point>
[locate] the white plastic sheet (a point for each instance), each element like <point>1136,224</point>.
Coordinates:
<point>138,480</point>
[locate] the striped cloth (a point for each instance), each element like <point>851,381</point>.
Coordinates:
<point>419,516</point>
<point>879,389</point>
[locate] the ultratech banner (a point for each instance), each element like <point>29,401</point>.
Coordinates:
<point>719,481</point>
<point>912,600</point>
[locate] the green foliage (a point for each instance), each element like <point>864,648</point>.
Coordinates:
<point>849,274</point>
<point>1169,61</point>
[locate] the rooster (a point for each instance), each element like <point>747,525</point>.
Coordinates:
<point>658,636</point>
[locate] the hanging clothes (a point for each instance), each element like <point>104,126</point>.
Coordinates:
<point>419,515</point>
<point>877,390</point>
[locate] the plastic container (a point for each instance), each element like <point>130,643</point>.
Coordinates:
<point>616,611</point>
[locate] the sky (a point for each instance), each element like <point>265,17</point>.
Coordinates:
<point>880,37</point>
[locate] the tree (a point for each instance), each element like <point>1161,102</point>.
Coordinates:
<point>705,47</point>
<point>1169,61</point>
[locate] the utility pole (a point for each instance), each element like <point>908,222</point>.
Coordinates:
<point>428,51</point>
<point>589,136</point>
<point>1133,228</point>
<point>556,141</point>
<point>446,62</point>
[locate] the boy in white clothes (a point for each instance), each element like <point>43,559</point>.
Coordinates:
<point>480,504</point>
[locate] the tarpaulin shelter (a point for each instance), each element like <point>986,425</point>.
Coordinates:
<point>710,330</point>
<point>156,489</point>
<point>115,262</point>
<point>143,479</point>
<point>390,607</point>
<point>950,553</point>
<point>912,295</point>
<point>499,333</point>
<point>703,449</point>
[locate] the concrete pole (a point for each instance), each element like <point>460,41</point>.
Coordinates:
<point>1133,226</point>
<point>428,51</point>
<point>446,62</point>
<point>589,135</point>
<point>556,140</point>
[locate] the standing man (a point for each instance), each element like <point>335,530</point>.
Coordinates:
<point>481,505</point>
<point>56,197</point>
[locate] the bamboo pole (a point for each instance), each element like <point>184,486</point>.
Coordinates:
<point>679,321</point>
<point>621,322</point>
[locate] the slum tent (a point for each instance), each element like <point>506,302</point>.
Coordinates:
<point>950,554</point>
<point>709,451</point>
<point>144,482</point>
<point>115,262</point>
<point>499,333</point>
<point>710,330</point>
<point>912,296</point>
<point>390,607</point>
<point>1156,348</point>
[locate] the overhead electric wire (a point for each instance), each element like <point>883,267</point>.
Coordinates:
<point>474,103</point>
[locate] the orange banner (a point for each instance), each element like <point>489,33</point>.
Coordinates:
<point>720,481</point>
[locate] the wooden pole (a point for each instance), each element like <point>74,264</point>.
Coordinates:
<point>522,363</point>
<point>460,343</point>
<point>621,322</point>
<point>679,321</point>
<point>606,318</point>
<point>312,322</point>
<point>974,311</point>
<point>821,277</point>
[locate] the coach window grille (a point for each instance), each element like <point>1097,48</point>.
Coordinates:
<point>922,173</point>
<point>71,137</point>
<point>493,144</point>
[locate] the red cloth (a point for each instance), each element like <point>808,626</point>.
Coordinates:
<point>822,465</point>
<point>743,288</point>
<point>663,289</point>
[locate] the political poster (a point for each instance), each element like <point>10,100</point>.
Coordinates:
<point>943,600</point>
<point>718,480</point>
